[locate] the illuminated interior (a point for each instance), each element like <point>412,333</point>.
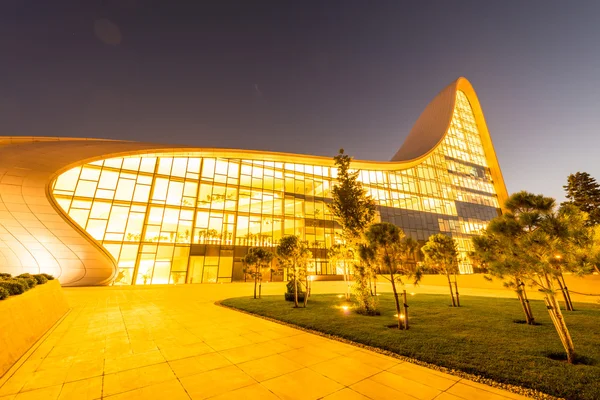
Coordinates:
<point>180,218</point>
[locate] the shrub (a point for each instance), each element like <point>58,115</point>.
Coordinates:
<point>14,286</point>
<point>48,276</point>
<point>3,293</point>
<point>4,275</point>
<point>41,279</point>
<point>29,279</point>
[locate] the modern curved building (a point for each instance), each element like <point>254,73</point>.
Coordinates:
<point>99,212</point>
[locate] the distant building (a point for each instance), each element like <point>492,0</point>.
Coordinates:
<point>96,212</point>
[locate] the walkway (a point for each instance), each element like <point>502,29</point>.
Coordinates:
<point>174,343</point>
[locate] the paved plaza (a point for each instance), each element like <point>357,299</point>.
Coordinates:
<point>173,342</point>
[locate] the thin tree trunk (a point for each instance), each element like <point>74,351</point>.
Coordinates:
<point>524,293</point>
<point>562,290</point>
<point>567,292</point>
<point>260,287</point>
<point>347,280</point>
<point>405,310</point>
<point>523,300</point>
<point>559,321</point>
<point>396,300</point>
<point>255,282</point>
<point>375,283</point>
<point>451,292</point>
<point>295,287</point>
<point>456,291</point>
<point>306,292</point>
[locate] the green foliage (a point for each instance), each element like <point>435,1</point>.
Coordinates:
<point>31,281</point>
<point>256,260</point>
<point>294,255</point>
<point>352,208</point>
<point>4,275</point>
<point>41,279</point>
<point>365,302</point>
<point>583,192</point>
<point>48,276</point>
<point>393,250</point>
<point>3,293</point>
<point>14,286</point>
<point>441,254</point>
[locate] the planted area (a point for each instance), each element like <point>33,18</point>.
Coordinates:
<point>13,286</point>
<point>482,337</point>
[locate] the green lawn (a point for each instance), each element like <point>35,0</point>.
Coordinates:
<point>480,337</point>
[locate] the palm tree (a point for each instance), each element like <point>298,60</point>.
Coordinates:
<point>294,255</point>
<point>441,254</point>
<point>393,250</point>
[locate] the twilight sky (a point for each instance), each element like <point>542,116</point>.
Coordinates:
<point>307,76</point>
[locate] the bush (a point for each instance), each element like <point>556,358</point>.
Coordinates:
<point>4,275</point>
<point>3,293</point>
<point>14,286</point>
<point>48,276</point>
<point>29,279</point>
<point>41,279</point>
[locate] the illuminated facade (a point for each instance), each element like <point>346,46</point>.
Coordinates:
<point>98,212</point>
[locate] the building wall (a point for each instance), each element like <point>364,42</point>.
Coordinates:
<point>163,215</point>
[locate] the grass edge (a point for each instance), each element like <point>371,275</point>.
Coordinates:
<point>520,390</point>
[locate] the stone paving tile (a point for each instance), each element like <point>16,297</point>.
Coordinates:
<point>407,386</point>
<point>171,390</point>
<point>345,370</point>
<point>345,394</point>
<point>270,367</point>
<point>86,389</point>
<point>304,384</point>
<point>216,382</point>
<point>377,391</point>
<point>172,342</point>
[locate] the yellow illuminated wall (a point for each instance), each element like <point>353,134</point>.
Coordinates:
<point>174,218</point>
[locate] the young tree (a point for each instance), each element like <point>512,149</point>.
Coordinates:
<point>393,250</point>
<point>583,191</point>
<point>496,248</point>
<point>294,255</point>
<point>366,255</point>
<point>256,260</point>
<point>441,254</point>
<point>351,207</point>
<point>544,234</point>
<point>342,254</point>
<point>251,267</point>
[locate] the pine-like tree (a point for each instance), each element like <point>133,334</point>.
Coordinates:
<point>583,191</point>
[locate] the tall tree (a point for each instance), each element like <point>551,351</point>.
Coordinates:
<point>394,251</point>
<point>583,191</point>
<point>441,254</point>
<point>294,255</point>
<point>353,209</point>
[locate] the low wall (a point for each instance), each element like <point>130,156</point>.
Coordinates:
<point>587,284</point>
<point>26,317</point>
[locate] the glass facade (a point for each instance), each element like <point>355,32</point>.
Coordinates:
<point>180,218</point>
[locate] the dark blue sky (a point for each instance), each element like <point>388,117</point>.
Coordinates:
<point>307,77</point>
